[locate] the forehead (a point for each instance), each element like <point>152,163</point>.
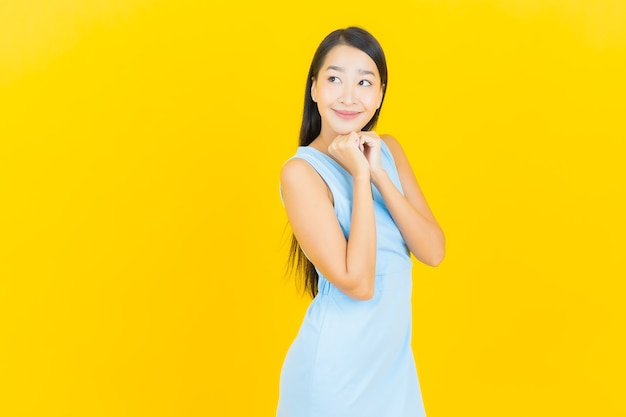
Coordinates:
<point>349,58</point>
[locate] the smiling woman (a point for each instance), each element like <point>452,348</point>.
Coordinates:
<point>356,211</point>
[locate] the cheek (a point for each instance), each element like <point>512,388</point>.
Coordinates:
<point>371,99</point>
<point>327,95</point>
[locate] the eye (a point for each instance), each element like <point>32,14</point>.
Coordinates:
<point>365,83</point>
<point>333,79</point>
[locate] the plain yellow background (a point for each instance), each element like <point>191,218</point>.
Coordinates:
<point>143,241</point>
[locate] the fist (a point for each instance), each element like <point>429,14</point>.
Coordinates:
<point>349,150</point>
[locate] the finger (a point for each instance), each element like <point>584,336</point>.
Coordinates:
<point>354,138</point>
<point>361,143</point>
<point>370,141</point>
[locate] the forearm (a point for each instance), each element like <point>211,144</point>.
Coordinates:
<point>361,246</point>
<point>422,235</point>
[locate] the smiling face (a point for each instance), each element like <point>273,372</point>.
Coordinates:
<point>348,91</point>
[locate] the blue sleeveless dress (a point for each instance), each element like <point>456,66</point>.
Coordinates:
<point>353,358</point>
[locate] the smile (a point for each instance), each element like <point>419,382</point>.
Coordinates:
<point>344,114</point>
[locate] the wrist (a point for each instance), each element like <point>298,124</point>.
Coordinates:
<point>378,175</point>
<point>361,177</point>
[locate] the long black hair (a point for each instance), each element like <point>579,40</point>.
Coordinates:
<point>312,122</point>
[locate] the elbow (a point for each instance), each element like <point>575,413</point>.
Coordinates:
<point>436,255</point>
<point>361,291</point>
<point>435,259</point>
<point>363,294</point>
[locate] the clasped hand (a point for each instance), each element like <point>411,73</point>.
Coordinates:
<point>357,152</point>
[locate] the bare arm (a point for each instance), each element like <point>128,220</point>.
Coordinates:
<point>410,211</point>
<point>349,264</point>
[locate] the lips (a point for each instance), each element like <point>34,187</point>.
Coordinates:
<point>345,114</point>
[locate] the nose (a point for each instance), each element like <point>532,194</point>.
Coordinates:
<point>348,95</point>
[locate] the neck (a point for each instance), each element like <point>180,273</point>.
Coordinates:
<point>323,141</point>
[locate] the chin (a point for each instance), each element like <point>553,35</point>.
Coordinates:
<point>347,129</point>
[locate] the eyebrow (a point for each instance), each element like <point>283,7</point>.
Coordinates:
<point>360,71</point>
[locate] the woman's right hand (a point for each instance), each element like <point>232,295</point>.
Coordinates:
<point>348,151</point>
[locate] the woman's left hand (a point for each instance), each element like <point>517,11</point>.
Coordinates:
<point>372,151</point>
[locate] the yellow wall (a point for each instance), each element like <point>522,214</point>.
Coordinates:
<point>142,240</point>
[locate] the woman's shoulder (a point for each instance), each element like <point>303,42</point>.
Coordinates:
<point>393,145</point>
<point>295,167</point>
<point>300,179</point>
<point>389,140</point>
<point>297,170</point>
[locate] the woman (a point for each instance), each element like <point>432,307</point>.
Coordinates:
<point>356,211</point>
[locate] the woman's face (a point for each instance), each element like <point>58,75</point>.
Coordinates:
<point>347,90</point>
